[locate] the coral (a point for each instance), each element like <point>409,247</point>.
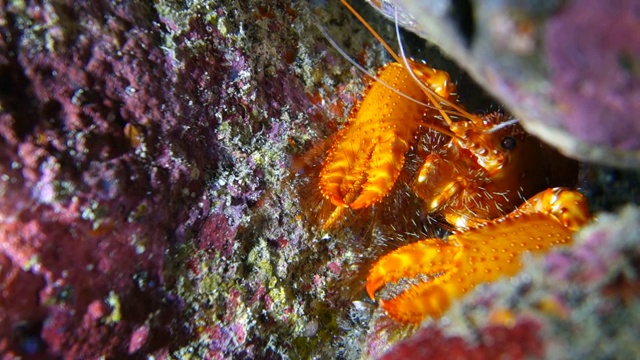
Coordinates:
<point>84,221</point>
<point>598,78</point>
<point>143,151</point>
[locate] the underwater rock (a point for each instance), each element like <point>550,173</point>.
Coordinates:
<point>147,210</point>
<point>568,70</point>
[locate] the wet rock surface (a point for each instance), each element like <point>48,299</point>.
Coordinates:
<point>148,208</point>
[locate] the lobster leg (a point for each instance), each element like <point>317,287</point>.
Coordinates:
<point>482,254</point>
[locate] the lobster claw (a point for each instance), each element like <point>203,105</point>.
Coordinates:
<point>368,154</point>
<point>479,255</point>
<point>379,162</point>
<point>432,257</point>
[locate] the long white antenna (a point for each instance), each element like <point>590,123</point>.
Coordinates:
<point>344,54</point>
<point>430,93</point>
<point>503,125</point>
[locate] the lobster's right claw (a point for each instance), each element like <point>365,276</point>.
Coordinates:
<point>479,255</point>
<point>426,296</point>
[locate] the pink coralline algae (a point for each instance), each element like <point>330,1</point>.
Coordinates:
<point>89,206</point>
<point>595,70</point>
<point>494,342</point>
<point>143,153</point>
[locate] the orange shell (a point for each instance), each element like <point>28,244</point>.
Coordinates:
<point>368,153</point>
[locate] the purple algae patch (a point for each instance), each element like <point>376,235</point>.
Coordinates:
<point>594,59</point>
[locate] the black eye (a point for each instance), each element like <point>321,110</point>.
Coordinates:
<point>508,142</point>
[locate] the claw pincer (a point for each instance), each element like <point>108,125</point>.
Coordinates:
<point>479,255</point>
<point>368,153</point>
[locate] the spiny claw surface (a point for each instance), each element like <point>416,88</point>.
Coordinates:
<point>479,255</point>
<point>368,154</point>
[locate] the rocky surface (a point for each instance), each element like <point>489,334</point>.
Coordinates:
<point>148,208</point>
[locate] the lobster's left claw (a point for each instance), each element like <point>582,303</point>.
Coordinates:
<point>388,158</point>
<point>368,154</point>
<point>360,175</point>
<point>480,255</point>
<point>431,257</point>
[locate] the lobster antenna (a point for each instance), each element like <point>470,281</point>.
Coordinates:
<point>432,97</point>
<point>430,94</point>
<point>343,53</point>
<point>399,59</point>
<point>371,30</point>
<point>427,91</point>
<point>503,125</point>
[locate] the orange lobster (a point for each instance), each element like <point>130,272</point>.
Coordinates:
<point>473,172</point>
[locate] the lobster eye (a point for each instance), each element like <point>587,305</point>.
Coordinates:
<point>508,142</point>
